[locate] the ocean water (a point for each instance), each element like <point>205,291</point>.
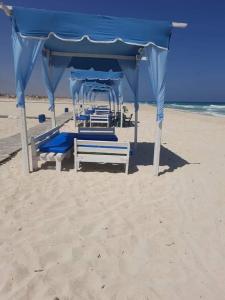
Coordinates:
<point>212,109</point>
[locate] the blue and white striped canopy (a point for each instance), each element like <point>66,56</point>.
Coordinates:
<point>109,30</point>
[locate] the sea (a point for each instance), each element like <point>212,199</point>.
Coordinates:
<point>216,109</point>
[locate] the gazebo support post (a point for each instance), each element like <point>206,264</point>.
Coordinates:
<point>110,107</point>
<point>24,141</point>
<point>157,148</point>
<point>74,114</point>
<point>53,118</point>
<point>136,106</point>
<point>114,107</point>
<point>121,115</point>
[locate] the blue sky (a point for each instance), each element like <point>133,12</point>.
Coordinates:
<point>196,66</point>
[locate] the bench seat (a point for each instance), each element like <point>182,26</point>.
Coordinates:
<point>64,141</point>
<point>60,143</point>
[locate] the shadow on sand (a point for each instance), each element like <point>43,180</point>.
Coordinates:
<point>68,165</point>
<point>144,157</point>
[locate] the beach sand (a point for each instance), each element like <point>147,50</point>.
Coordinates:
<point>100,234</point>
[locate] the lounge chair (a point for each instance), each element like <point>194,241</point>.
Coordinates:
<point>127,120</point>
<point>100,119</point>
<point>83,119</point>
<point>51,146</point>
<point>55,146</point>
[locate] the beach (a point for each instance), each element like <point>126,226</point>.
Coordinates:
<point>102,234</point>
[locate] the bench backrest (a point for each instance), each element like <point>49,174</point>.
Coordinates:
<point>40,139</point>
<point>94,130</point>
<point>118,149</point>
<point>99,117</point>
<point>102,107</point>
<point>102,111</point>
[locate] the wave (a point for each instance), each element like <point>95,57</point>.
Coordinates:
<point>183,105</point>
<point>211,109</point>
<point>217,106</point>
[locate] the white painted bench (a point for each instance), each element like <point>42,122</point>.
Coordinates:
<point>101,111</point>
<point>36,155</point>
<point>100,119</point>
<point>101,152</point>
<point>97,130</point>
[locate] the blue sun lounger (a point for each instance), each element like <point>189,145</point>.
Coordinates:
<point>55,146</point>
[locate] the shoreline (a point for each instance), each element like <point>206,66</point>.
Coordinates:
<point>69,102</point>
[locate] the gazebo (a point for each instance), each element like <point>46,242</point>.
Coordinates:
<point>84,41</point>
<point>85,82</point>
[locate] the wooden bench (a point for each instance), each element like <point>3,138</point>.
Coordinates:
<point>101,152</point>
<point>36,155</point>
<point>100,119</point>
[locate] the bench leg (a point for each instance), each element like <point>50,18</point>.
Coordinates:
<point>34,165</point>
<point>58,166</point>
<point>126,168</point>
<point>76,165</point>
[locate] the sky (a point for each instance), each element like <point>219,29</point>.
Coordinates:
<point>196,61</point>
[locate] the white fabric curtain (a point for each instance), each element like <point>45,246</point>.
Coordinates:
<point>25,53</point>
<point>157,59</point>
<point>74,90</point>
<point>52,75</point>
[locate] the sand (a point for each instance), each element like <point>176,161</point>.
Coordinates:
<point>9,114</point>
<point>100,234</point>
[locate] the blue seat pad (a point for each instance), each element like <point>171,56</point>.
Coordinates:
<point>97,137</point>
<point>64,141</point>
<point>89,111</point>
<point>83,117</point>
<point>60,143</point>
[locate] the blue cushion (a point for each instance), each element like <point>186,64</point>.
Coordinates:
<point>97,137</point>
<point>83,117</point>
<point>63,141</point>
<point>60,143</point>
<point>89,111</point>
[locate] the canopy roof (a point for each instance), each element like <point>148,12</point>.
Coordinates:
<point>128,34</point>
<point>95,75</point>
